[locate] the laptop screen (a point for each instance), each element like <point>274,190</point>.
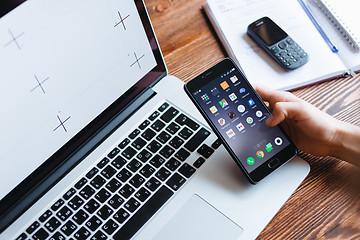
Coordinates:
<point>66,68</point>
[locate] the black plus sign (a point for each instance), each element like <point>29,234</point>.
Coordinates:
<point>39,84</point>
<point>122,20</point>
<point>137,60</point>
<point>61,123</point>
<point>14,39</point>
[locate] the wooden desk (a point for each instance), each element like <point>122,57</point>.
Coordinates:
<point>327,203</point>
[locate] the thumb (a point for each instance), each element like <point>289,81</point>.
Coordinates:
<point>284,110</point>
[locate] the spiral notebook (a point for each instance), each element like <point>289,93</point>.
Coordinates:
<point>345,15</point>
<point>230,19</point>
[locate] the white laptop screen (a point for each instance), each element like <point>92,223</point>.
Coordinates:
<point>62,63</point>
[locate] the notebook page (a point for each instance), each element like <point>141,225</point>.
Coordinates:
<point>346,13</point>
<point>233,17</point>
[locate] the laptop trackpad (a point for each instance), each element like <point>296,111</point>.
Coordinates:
<point>197,219</point>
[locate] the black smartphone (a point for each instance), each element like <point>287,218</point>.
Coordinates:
<point>237,115</point>
<point>276,42</point>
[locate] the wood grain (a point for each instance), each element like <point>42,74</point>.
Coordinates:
<point>327,204</point>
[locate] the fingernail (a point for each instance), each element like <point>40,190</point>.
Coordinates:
<point>269,120</point>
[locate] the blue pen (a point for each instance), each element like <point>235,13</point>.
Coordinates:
<point>323,34</point>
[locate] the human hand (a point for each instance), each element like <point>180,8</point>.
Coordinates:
<point>311,130</point>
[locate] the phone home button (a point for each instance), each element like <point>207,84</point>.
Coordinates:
<point>273,163</point>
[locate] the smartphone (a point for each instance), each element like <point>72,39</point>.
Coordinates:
<point>237,115</point>
<point>277,43</point>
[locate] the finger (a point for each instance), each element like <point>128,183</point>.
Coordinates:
<point>285,110</point>
<point>273,96</point>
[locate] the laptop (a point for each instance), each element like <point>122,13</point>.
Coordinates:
<point>99,142</point>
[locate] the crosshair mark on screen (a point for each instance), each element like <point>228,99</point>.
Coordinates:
<point>137,60</point>
<point>14,39</point>
<point>121,21</point>
<point>39,84</point>
<point>62,123</point>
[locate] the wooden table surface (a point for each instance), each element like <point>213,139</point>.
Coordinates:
<point>327,204</point>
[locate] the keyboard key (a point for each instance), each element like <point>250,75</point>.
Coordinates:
<point>163,137</point>
<point>172,164</point>
<point>163,174</point>
<point>199,162</point>
<point>173,128</point>
<point>32,227</point>
<point>81,183</point>
<point>52,224</point>
<point>105,212</point>
<point>184,120</point>
<point>139,143</point>
<point>129,152</point>
<point>147,171</point>
<point>82,233</point>
<point>142,194</point>
<point>137,180</point>
<point>102,195</point>
<point>115,201</point>
<point>121,215</point>
<point>41,234</point>
<point>108,172</point>
<point>144,124</point>
<point>124,143</point>
<point>126,191</point>
<point>197,139</point>
<point>87,192</point>
<point>176,142</point>
<point>75,202</point>
<point>166,151</point>
<point>153,184</point>
<point>124,175</point>
<point>144,214</point>
<point>158,125</point>
<point>45,216</point>
<point>169,114</point>
<point>93,223</point>
<point>57,236</point>
<point>57,204</point>
<point>185,133</point>
<point>118,162</point>
<point>132,205</point>
<point>205,151</point>
<point>92,173</point>
<point>154,116</point>
<point>110,226</point>
<point>99,235</point>
<point>91,206</point>
<point>182,154</point>
<point>113,185</point>
<point>148,134</point>
<point>134,134</point>
<point>216,144</point>
<point>103,162</point>
<point>21,237</point>
<point>157,161</point>
<point>134,165</point>
<point>176,181</point>
<point>144,155</point>
<point>97,182</point>
<point>163,107</point>
<point>69,193</point>
<point>68,228</point>
<point>113,153</point>
<point>64,213</point>
<point>154,146</point>
<point>187,170</point>
<point>80,217</point>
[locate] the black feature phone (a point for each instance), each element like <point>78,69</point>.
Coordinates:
<point>277,43</point>
<point>237,115</point>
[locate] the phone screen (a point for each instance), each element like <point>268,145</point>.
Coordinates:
<point>269,32</point>
<point>234,109</point>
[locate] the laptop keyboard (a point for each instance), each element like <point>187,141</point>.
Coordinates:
<point>130,183</point>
